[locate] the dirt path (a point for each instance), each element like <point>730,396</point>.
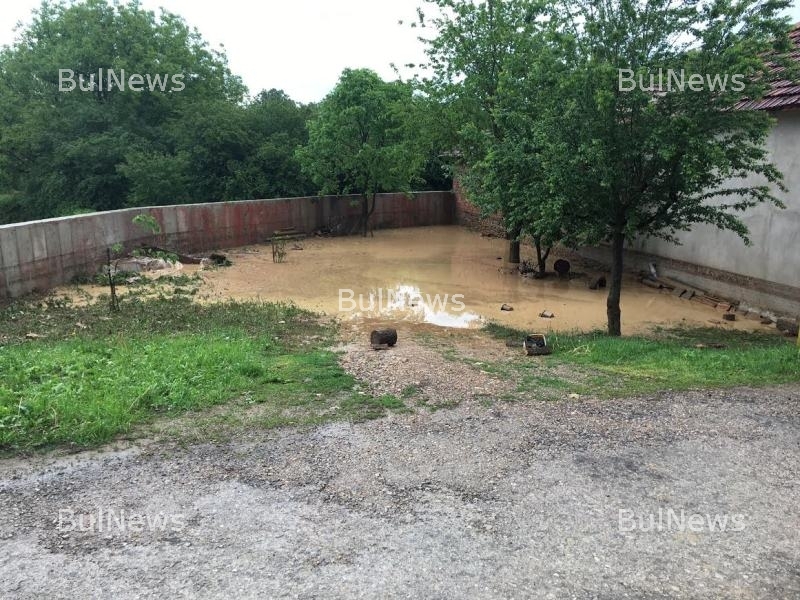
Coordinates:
<point>420,373</point>
<point>502,501</point>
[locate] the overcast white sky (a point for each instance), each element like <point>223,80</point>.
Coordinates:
<point>300,46</point>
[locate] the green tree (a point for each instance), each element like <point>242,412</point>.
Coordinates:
<point>271,169</point>
<point>63,151</point>
<point>653,162</point>
<point>362,140</point>
<point>469,58</point>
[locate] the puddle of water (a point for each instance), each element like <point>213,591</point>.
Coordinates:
<point>445,276</point>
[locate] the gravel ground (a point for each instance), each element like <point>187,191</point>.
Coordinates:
<point>421,372</point>
<point>513,500</point>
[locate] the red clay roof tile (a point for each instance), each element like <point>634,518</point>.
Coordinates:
<point>783,94</point>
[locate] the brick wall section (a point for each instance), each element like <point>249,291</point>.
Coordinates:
<point>470,216</point>
<point>39,255</point>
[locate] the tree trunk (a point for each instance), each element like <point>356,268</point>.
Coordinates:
<point>541,256</point>
<point>367,208</point>
<point>364,214</point>
<point>513,245</point>
<point>612,304</point>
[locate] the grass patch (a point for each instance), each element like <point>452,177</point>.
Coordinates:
<point>668,358</point>
<point>81,376</point>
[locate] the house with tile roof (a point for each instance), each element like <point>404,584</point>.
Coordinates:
<point>765,275</point>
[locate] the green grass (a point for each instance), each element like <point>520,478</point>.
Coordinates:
<point>675,359</point>
<point>92,375</point>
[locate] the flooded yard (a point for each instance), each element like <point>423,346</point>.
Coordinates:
<point>446,276</point>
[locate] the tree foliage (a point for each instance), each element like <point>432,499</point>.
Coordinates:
<point>564,153</point>
<point>654,162</point>
<point>62,152</point>
<point>476,45</point>
<point>362,140</point>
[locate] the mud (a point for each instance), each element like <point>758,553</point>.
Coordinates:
<point>441,276</point>
<point>445,276</point>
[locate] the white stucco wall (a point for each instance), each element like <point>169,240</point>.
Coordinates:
<point>775,233</point>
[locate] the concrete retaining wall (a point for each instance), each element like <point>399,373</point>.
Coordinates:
<point>39,255</point>
<point>766,274</point>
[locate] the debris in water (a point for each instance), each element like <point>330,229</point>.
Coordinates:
<point>219,260</point>
<point>598,282</point>
<point>562,267</point>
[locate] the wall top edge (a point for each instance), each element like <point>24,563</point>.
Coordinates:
<point>140,209</point>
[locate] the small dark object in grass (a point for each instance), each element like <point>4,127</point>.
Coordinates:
<point>729,317</point>
<point>787,326</point>
<point>536,345</point>
<point>380,337</point>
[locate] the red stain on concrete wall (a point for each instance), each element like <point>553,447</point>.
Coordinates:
<point>42,254</point>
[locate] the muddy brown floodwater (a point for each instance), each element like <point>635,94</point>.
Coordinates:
<point>446,276</point>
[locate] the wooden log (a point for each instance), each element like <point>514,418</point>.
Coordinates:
<point>183,258</point>
<point>705,300</point>
<point>677,285</point>
<point>652,284</point>
<point>383,336</point>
